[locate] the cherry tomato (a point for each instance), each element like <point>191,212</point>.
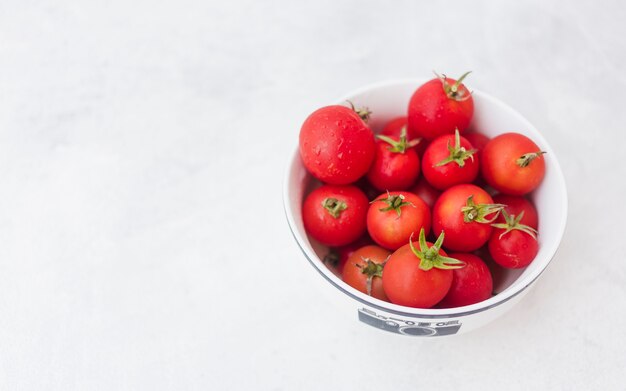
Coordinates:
<point>465,213</point>
<point>516,205</point>
<point>426,192</point>
<point>470,284</point>
<point>439,106</point>
<point>364,271</point>
<point>513,164</point>
<point>419,275</point>
<point>513,244</point>
<point>393,217</point>
<point>337,256</point>
<point>449,160</point>
<point>336,145</point>
<point>396,165</point>
<point>335,215</point>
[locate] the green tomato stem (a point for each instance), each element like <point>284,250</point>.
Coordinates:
<point>512,222</point>
<point>452,91</point>
<point>371,270</point>
<point>334,206</point>
<point>394,202</point>
<point>479,212</point>
<point>526,158</point>
<point>362,112</point>
<point>399,146</point>
<point>458,154</point>
<point>429,256</point>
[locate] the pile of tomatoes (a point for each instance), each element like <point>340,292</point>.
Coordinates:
<point>423,177</point>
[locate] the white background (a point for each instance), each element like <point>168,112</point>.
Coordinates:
<point>143,244</point>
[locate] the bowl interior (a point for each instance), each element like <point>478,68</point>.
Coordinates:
<point>491,117</point>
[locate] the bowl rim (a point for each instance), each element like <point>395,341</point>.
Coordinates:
<point>431,313</point>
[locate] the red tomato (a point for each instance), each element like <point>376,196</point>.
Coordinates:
<point>394,128</point>
<point>516,205</point>
<point>396,165</point>
<point>364,271</point>
<point>512,244</point>
<point>393,217</point>
<point>478,141</point>
<point>335,215</point>
<point>464,213</point>
<point>449,160</point>
<point>470,284</point>
<point>439,106</point>
<point>419,276</point>
<point>337,256</point>
<point>336,145</point>
<point>426,192</point>
<point>513,164</point>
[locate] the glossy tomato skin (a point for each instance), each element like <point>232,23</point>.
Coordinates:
<point>516,205</point>
<point>447,217</point>
<point>432,113</point>
<point>426,192</point>
<point>500,169</point>
<point>391,231</point>
<point>353,270</point>
<point>405,283</point>
<point>393,170</point>
<point>335,231</point>
<point>336,145</point>
<point>514,250</point>
<point>449,174</point>
<point>470,284</point>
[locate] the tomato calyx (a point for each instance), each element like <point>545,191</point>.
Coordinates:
<point>526,158</point>
<point>429,256</point>
<point>394,202</point>
<point>362,112</point>
<point>458,154</point>
<point>399,146</point>
<point>334,206</point>
<point>371,270</point>
<point>479,212</point>
<point>512,222</point>
<point>453,91</point>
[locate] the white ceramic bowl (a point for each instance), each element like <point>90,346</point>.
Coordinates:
<point>491,117</point>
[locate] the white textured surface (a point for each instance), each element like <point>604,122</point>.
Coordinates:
<point>142,146</point>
